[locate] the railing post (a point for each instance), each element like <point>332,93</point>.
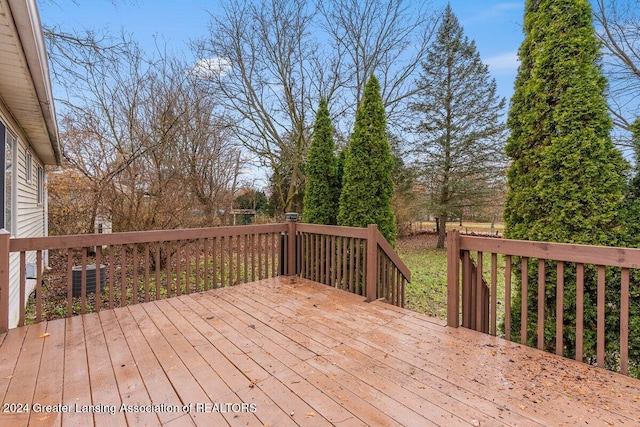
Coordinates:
<point>372,262</point>
<point>291,217</point>
<point>453,278</point>
<point>4,280</point>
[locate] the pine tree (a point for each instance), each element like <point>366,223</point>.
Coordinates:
<point>565,182</point>
<point>459,149</point>
<point>367,186</point>
<point>322,190</point>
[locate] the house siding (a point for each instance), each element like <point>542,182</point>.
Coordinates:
<point>29,218</point>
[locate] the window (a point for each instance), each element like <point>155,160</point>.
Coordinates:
<point>40,184</point>
<point>7,158</point>
<point>28,162</point>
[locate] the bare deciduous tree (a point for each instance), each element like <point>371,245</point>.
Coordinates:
<point>257,59</point>
<point>619,32</point>
<point>385,38</point>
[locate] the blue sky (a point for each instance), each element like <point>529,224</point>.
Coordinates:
<point>495,25</point>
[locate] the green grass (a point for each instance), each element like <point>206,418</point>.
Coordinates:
<point>427,292</point>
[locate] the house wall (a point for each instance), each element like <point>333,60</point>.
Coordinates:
<point>29,216</point>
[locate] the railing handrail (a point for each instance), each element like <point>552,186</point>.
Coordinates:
<point>135,237</point>
<point>566,252</point>
<point>332,230</point>
<point>360,233</point>
<point>393,256</point>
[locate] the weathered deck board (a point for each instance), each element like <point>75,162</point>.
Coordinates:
<point>304,354</point>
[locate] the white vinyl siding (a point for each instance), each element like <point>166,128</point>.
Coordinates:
<point>28,221</point>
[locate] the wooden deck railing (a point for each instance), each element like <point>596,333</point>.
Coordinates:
<point>133,267</point>
<point>548,264</point>
<point>357,260</point>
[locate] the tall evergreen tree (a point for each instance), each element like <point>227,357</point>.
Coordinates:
<point>322,190</point>
<point>459,149</point>
<point>565,182</point>
<point>367,186</point>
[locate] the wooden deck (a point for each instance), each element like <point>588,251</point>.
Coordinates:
<point>291,352</point>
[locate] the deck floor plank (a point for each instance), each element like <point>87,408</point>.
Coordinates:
<point>77,387</point>
<point>169,321</point>
<point>11,348</point>
<point>301,354</point>
<point>48,390</point>
<point>130,385</point>
<point>186,386</point>
<point>156,383</point>
<point>23,381</point>
<point>101,372</point>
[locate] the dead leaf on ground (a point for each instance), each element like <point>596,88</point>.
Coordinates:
<point>44,335</point>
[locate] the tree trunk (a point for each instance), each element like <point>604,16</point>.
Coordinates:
<point>442,231</point>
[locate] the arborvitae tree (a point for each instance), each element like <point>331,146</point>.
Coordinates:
<point>566,179</point>
<point>322,188</point>
<point>367,186</point>
<point>459,146</point>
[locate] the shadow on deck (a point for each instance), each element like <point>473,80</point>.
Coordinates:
<point>288,351</point>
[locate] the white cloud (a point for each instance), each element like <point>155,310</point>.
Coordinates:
<point>505,62</point>
<point>212,66</point>
<point>500,8</point>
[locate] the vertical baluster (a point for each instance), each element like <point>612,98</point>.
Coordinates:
<point>479,294</point>
<point>559,307</point>
<point>507,297</point>
<point>157,268</point>
<point>494,293</point>
<point>359,286</point>
<point>205,249</point>
<point>624,323</point>
<point>467,290</point>
<point>23,287</point>
<point>345,242</point>
<point>237,239</point>
<point>197,287</point>
<point>541,300</point>
<point>168,267</point>
<point>111,276</point>
<point>246,258</point>
<point>579,310</point>
<point>601,317</point>
<point>123,276</point>
<point>98,294</point>
<point>223,279</point>
<point>83,288</point>
<point>147,270</point>
<point>69,282</point>
<point>39,286</point>
<point>134,283</point>
<point>334,266</point>
<point>274,257</point>
<point>338,263</point>
<point>214,266</point>
<point>260,257</point>
<point>525,299</point>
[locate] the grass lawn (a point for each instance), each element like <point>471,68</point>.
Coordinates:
<point>427,292</point>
